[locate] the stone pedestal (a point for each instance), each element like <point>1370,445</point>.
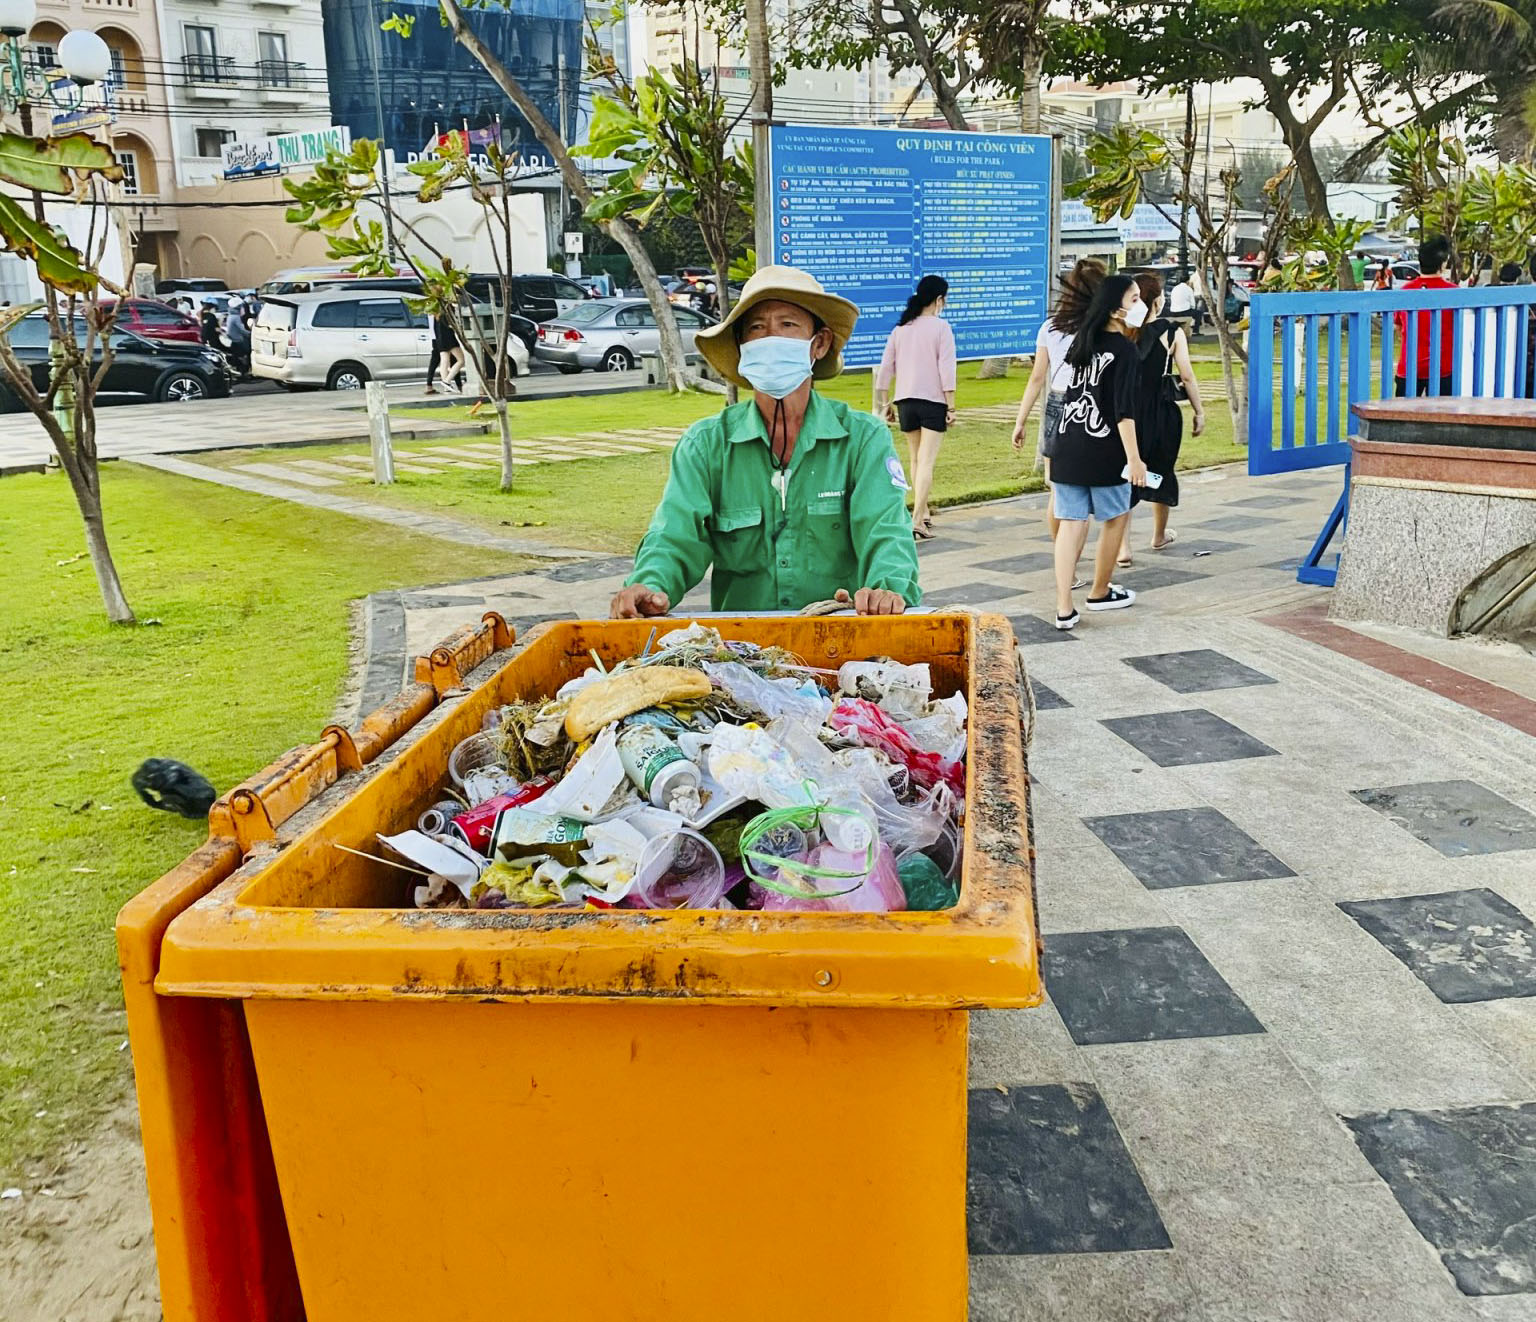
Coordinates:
<point>1442,497</point>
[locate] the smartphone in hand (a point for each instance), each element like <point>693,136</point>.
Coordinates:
<point>1154,480</point>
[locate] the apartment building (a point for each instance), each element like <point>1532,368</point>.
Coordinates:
<point>237,70</point>
<point>141,132</point>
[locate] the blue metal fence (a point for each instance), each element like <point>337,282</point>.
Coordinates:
<point>1491,332</point>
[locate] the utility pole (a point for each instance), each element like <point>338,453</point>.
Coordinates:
<point>1186,151</point>
<point>565,202</point>
<point>760,68</point>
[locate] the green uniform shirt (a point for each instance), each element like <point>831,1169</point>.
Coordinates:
<point>842,521</point>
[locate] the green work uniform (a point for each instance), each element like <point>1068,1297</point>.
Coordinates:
<point>841,521</point>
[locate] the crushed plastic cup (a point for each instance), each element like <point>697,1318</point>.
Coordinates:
<point>681,871</point>
<point>480,752</point>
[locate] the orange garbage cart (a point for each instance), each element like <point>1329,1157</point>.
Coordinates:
<point>357,1110</point>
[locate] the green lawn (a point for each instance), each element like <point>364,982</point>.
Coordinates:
<point>249,657</point>
<point>606,503</point>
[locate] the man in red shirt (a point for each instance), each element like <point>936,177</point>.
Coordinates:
<point>1433,255</point>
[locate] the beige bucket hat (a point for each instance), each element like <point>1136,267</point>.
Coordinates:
<point>787,284</point>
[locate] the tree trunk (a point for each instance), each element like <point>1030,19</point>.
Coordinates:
<point>1031,66</point>
<point>723,293</point>
<point>673,356</point>
<point>504,427</point>
<point>112,596</point>
<point>1234,369</point>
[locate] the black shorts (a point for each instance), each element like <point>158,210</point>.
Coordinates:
<point>916,414</point>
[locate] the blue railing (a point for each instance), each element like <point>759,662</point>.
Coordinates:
<point>1490,332</point>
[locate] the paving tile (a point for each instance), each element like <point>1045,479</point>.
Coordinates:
<point>1270,502</point>
<point>1010,1047</point>
<point>1467,1180</point>
<point>1236,523</point>
<point>1085,888</point>
<point>1185,847</point>
<point>941,542</point>
<point>1030,629</point>
<point>990,595</point>
<point>1048,1173</point>
<point>429,601</point>
<point>1182,738</point>
<point>1150,1286</point>
<point>1307,1253</point>
<point>1139,984</point>
<point>1222,1111</point>
<point>1033,563</point>
<point>1457,817</point>
<point>1046,698</point>
<point>1148,578</point>
<point>1467,945</point>
<point>1508,1027</point>
<point>287,473</point>
<point>1199,671</point>
<point>1199,545</point>
<point>580,571</point>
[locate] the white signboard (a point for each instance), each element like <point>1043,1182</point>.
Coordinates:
<point>256,156</point>
<point>575,243</point>
<point>1146,223</point>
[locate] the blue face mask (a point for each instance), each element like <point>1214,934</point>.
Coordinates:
<point>775,364</point>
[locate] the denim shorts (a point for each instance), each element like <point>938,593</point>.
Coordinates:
<point>1101,503</point>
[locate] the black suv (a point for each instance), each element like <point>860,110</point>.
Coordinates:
<point>166,370</point>
<point>542,297</point>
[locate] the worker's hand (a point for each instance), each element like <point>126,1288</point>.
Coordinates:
<point>873,601</point>
<point>1018,434</point>
<point>637,600</point>
<point>1199,423</point>
<point>1138,473</point>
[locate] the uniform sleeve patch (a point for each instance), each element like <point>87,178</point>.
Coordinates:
<point>898,476</point>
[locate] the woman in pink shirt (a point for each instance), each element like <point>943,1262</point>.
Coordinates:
<point>920,358</point>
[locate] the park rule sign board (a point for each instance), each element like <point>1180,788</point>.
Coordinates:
<point>869,211</point>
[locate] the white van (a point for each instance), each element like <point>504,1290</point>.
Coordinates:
<point>342,338</point>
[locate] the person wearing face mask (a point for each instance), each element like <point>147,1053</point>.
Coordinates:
<point>1095,450</point>
<point>790,496</point>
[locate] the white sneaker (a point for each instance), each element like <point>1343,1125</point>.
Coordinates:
<point>1117,598</point>
<point>1065,622</point>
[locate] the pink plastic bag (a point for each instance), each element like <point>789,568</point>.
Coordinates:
<point>880,891</point>
<point>874,729</point>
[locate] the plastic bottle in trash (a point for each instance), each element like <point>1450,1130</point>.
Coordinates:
<point>657,767</point>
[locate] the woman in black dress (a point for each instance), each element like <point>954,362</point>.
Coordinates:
<point>1164,352</point>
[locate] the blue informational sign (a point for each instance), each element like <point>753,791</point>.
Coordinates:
<point>869,211</point>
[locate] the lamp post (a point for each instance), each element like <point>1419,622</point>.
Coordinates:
<point>84,59</point>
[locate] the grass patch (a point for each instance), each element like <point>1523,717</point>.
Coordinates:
<point>249,659</point>
<point>606,503</point>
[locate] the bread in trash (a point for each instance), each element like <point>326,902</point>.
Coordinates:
<point>614,697</point>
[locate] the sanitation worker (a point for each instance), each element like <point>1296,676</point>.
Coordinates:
<point>791,497</point>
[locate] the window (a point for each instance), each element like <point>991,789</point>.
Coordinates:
<point>382,312</point>
<point>688,319</point>
<point>335,316</point>
<point>14,286</point>
<point>129,160</point>
<point>157,314</point>
<point>119,69</point>
<point>568,288</point>
<point>540,287</point>
<point>210,142</point>
<point>273,68</point>
<point>202,57</point>
<point>629,318</point>
<point>43,55</point>
<point>29,333</point>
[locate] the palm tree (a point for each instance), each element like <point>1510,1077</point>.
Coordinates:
<point>1496,39</point>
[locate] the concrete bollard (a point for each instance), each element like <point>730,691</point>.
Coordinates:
<point>378,434</point>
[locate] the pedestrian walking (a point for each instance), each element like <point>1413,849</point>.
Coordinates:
<point>208,324</point>
<point>1052,341</point>
<point>920,359</point>
<point>1383,279</point>
<point>1433,255</point>
<point>1096,459</point>
<point>1167,379</point>
<point>435,358</point>
<point>450,354</point>
<point>238,332</point>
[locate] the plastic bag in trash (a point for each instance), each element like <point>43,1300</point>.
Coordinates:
<point>941,728</point>
<point>587,787</point>
<point>748,761</point>
<point>927,888</point>
<point>873,888</point>
<point>903,691</point>
<point>874,729</point>
<point>799,699</point>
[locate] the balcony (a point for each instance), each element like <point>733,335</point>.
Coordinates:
<point>210,77</point>
<point>114,6</point>
<point>284,82</point>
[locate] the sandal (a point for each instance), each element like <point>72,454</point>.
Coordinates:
<point>1169,538</point>
<point>922,534</point>
<point>1124,562</point>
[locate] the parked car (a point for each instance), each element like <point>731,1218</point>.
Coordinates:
<point>343,338</point>
<point>172,371</point>
<point>155,320</point>
<point>610,335</point>
<point>310,279</point>
<point>540,297</point>
<point>189,285</point>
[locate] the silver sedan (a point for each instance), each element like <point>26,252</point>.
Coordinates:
<point>609,335</point>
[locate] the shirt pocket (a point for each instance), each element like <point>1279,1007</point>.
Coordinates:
<point>738,539</point>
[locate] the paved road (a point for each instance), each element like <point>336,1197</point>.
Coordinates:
<point>262,414</point>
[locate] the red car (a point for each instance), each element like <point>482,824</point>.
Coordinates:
<point>156,320</point>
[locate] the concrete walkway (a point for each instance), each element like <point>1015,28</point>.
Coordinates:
<point>1287,881</point>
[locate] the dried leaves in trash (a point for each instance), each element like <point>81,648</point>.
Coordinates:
<point>533,739</point>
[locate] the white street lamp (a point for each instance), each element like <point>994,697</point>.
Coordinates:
<point>83,56</point>
<point>17,17</point>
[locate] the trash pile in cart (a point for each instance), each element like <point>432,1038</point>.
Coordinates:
<point>705,773</point>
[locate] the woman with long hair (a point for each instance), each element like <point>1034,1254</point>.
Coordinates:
<point>920,358</point>
<point>1052,341</point>
<point>1094,452</point>
<point>1163,349</point>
